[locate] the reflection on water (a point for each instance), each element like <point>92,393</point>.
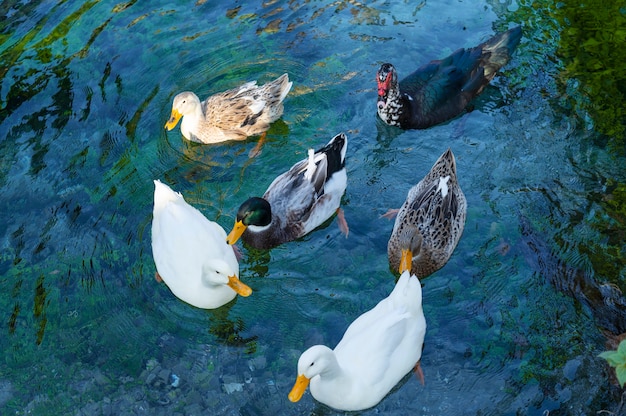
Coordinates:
<point>84,92</point>
<point>605,301</point>
<point>592,60</point>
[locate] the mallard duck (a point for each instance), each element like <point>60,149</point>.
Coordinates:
<point>231,115</point>
<point>441,89</point>
<point>191,254</point>
<point>297,201</point>
<point>377,350</point>
<point>430,222</point>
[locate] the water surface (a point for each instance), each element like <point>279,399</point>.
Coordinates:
<point>84,93</point>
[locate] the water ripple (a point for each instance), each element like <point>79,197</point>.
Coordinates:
<point>85,91</point>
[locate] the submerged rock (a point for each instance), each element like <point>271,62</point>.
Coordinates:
<point>6,391</point>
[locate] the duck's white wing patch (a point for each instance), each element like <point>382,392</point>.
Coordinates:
<point>310,167</point>
<point>443,185</point>
<point>256,106</point>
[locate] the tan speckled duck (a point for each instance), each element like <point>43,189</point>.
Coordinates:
<point>231,115</point>
<point>430,222</point>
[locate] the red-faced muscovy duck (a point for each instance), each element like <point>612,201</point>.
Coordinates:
<point>441,89</point>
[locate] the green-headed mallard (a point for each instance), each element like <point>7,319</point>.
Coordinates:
<point>191,254</point>
<point>377,350</point>
<point>430,222</point>
<point>297,201</point>
<point>231,115</point>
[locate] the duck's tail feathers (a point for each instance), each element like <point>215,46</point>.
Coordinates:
<point>164,194</point>
<point>497,51</point>
<point>274,93</point>
<point>335,152</point>
<point>446,159</point>
<point>280,87</point>
<point>408,291</point>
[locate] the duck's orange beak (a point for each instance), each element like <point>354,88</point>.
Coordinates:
<point>238,286</point>
<point>236,232</point>
<point>406,260</point>
<point>298,388</point>
<point>173,121</point>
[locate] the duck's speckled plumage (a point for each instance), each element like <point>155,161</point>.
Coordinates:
<point>431,220</point>
<point>442,89</point>
<point>231,115</point>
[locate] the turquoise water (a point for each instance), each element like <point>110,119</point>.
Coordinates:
<point>84,94</point>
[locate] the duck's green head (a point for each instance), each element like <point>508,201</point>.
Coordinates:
<point>255,211</point>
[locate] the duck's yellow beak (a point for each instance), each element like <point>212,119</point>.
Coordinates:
<point>236,232</point>
<point>406,260</point>
<point>173,121</point>
<point>299,388</point>
<point>238,286</point>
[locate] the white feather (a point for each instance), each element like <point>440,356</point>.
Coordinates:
<point>443,185</point>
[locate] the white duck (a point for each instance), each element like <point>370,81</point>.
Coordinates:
<point>191,254</point>
<point>376,352</point>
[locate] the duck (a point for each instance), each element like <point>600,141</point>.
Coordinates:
<point>191,254</point>
<point>231,115</point>
<point>377,350</point>
<point>297,201</point>
<point>442,89</point>
<point>430,222</point>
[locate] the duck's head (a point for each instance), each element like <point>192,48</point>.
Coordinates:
<point>184,103</point>
<point>386,78</point>
<point>254,212</point>
<point>316,360</point>
<point>219,272</point>
<point>410,244</point>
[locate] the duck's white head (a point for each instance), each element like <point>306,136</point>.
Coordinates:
<point>218,272</point>
<point>313,362</point>
<point>185,103</point>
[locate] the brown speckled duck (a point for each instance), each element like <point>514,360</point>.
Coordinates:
<point>430,222</point>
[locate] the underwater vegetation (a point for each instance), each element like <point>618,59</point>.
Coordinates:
<point>617,360</point>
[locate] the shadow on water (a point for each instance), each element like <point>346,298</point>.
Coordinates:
<point>605,300</point>
<point>228,331</point>
<point>590,78</point>
<point>41,70</point>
